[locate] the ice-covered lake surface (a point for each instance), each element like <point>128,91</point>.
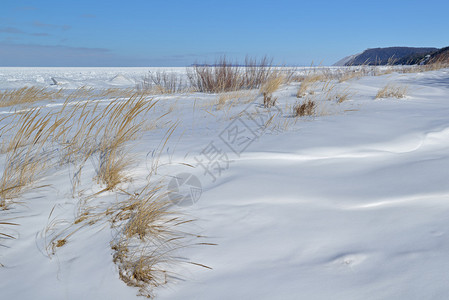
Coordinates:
<point>350,204</point>
<point>75,77</point>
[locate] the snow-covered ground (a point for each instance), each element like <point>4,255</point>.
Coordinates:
<point>350,204</point>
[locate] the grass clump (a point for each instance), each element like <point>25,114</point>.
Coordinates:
<point>27,158</point>
<point>342,96</point>
<point>273,83</point>
<point>269,87</point>
<point>269,100</point>
<point>124,120</point>
<point>349,74</point>
<point>111,93</point>
<point>21,171</point>
<point>306,108</point>
<point>224,76</point>
<point>27,95</point>
<point>161,82</point>
<point>227,100</point>
<point>392,91</point>
<point>308,84</point>
<point>33,141</point>
<point>148,240</point>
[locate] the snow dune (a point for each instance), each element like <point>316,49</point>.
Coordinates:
<point>350,205</point>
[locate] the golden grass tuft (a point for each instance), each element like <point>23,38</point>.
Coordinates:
<point>26,157</point>
<point>304,89</point>
<point>309,83</point>
<point>76,132</point>
<point>306,108</point>
<point>392,91</point>
<point>269,100</point>
<point>342,96</point>
<point>21,171</point>
<point>227,100</point>
<point>124,121</point>
<point>116,93</point>
<point>273,83</point>
<point>82,92</point>
<point>27,95</point>
<point>267,89</point>
<point>349,74</point>
<point>113,165</point>
<point>149,234</point>
<point>148,239</point>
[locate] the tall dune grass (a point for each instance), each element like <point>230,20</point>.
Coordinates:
<point>160,82</point>
<point>27,95</point>
<point>27,158</point>
<point>123,123</point>
<point>148,239</point>
<point>32,141</point>
<point>272,84</point>
<point>35,141</point>
<point>224,76</point>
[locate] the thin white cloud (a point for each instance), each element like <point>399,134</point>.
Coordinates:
<point>17,31</point>
<point>51,26</point>
<point>40,34</point>
<point>11,30</point>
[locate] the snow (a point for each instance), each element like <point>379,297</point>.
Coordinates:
<point>352,204</point>
<point>13,77</point>
<point>345,60</point>
<point>121,80</point>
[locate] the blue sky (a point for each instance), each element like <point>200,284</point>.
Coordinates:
<point>179,33</point>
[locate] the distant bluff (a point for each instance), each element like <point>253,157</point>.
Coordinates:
<point>394,55</point>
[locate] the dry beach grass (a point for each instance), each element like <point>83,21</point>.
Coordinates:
<point>392,91</point>
<point>73,133</point>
